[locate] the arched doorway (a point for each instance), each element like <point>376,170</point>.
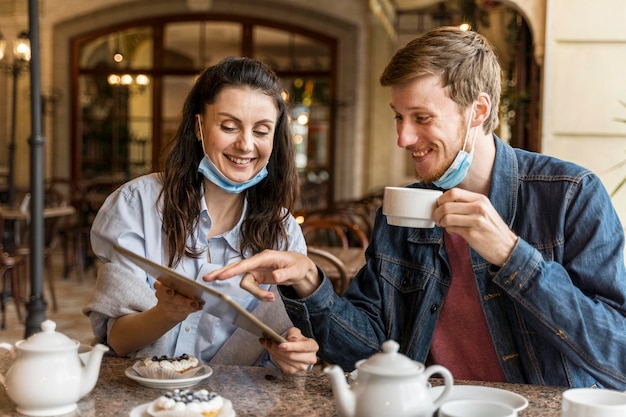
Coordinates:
<point>516,31</point>
<point>130,80</point>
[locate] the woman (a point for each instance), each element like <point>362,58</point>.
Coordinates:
<point>225,194</point>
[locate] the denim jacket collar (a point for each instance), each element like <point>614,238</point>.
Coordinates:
<point>504,186</point>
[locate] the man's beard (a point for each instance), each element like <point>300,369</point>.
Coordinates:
<point>440,170</point>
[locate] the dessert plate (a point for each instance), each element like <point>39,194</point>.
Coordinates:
<point>142,410</point>
<point>473,392</point>
<point>205,372</point>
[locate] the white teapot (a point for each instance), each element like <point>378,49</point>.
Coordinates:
<point>388,384</point>
<point>47,377</point>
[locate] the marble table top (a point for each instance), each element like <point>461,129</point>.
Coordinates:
<point>253,391</point>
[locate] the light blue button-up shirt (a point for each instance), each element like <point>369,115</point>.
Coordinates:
<point>132,218</point>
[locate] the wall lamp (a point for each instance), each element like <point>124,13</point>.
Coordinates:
<point>19,64</point>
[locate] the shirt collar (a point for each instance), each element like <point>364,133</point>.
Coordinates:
<point>233,236</point>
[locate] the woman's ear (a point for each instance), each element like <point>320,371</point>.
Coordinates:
<point>199,133</point>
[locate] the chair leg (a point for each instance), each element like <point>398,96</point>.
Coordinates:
<point>3,325</point>
<point>66,256</point>
<point>79,254</point>
<point>15,293</point>
<point>3,298</point>
<point>50,277</point>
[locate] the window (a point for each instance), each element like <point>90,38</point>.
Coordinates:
<point>132,81</point>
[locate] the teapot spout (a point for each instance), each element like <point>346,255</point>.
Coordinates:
<point>344,397</point>
<point>91,370</point>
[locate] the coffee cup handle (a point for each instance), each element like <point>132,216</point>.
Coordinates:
<point>447,377</point>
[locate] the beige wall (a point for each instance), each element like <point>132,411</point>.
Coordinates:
<point>584,79</point>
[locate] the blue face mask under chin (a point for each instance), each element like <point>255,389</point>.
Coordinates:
<point>457,171</point>
<point>213,174</point>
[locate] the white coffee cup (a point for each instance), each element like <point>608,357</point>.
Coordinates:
<point>410,207</point>
<point>475,408</point>
<point>593,402</point>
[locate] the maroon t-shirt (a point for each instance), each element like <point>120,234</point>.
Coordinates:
<point>461,341</point>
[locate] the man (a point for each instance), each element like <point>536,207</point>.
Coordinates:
<point>522,280</point>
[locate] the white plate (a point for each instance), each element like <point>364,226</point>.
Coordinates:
<point>473,392</point>
<point>142,410</point>
<point>203,373</point>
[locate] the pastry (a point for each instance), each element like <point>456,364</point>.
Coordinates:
<point>164,367</point>
<point>187,403</point>
<point>180,364</point>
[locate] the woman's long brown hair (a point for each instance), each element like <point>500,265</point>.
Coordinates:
<point>269,202</point>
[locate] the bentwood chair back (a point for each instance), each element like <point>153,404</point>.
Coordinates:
<point>324,232</point>
<point>333,231</point>
<point>334,268</point>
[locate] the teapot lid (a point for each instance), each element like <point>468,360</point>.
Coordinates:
<point>48,339</point>
<point>390,362</point>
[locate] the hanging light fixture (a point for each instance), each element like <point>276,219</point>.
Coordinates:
<point>20,63</point>
<point>21,50</point>
<point>3,46</point>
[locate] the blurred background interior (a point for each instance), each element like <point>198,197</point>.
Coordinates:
<point>115,73</point>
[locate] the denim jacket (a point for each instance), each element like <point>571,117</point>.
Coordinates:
<point>556,310</point>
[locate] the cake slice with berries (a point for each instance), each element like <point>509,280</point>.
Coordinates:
<point>180,364</point>
<point>164,367</point>
<point>189,403</point>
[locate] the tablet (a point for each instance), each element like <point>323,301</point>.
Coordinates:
<point>199,292</point>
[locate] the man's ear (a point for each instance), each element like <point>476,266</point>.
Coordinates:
<point>482,109</point>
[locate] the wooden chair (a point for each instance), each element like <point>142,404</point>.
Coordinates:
<point>333,230</point>
<point>324,232</point>
<point>93,197</point>
<point>333,267</point>
<point>52,198</point>
<point>69,230</point>
<point>10,267</point>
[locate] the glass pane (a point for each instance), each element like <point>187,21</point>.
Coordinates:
<point>125,49</point>
<point>310,126</point>
<point>197,45</point>
<point>286,51</point>
<point>116,128</point>
<point>175,90</point>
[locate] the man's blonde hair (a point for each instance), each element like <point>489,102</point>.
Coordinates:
<point>464,60</point>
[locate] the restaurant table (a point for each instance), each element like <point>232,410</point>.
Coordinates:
<point>254,391</point>
<point>17,216</point>
<point>14,213</point>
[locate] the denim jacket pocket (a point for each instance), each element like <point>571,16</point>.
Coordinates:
<point>410,299</point>
<point>406,278</point>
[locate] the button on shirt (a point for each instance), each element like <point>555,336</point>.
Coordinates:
<point>131,218</point>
